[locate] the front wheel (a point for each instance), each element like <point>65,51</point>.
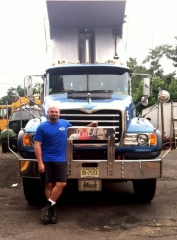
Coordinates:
<point>144,189</point>
<point>12,144</point>
<point>33,190</point>
<point>4,147</point>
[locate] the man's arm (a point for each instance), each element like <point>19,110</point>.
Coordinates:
<point>38,152</point>
<point>93,124</point>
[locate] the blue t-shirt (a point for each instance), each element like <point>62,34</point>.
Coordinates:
<point>54,138</point>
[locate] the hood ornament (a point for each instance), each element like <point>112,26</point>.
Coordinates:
<point>88,97</point>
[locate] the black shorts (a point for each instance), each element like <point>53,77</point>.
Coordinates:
<point>54,172</point>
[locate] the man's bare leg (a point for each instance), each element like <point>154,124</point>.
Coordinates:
<point>57,190</point>
<point>48,189</point>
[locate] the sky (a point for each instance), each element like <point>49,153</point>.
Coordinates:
<point>22,40</point>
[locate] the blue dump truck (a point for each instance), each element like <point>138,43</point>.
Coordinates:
<point>122,148</point>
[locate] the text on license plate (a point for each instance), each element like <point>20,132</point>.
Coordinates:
<point>90,172</point>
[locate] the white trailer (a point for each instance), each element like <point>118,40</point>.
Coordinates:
<point>164,118</point>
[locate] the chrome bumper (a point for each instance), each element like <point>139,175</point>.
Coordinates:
<point>110,168</point>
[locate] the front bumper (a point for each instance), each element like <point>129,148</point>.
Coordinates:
<point>110,168</point>
<point>120,169</point>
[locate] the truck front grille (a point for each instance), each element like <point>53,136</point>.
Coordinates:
<point>105,118</point>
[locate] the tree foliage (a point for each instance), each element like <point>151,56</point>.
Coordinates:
<point>20,90</point>
<point>171,54</point>
<point>159,79</point>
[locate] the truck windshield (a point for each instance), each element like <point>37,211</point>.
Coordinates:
<point>117,84</point>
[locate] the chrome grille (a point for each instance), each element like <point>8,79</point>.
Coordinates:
<point>105,118</point>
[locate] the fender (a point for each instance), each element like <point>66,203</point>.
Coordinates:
<point>159,140</point>
<point>21,149</point>
<point>20,140</point>
<point>4,133</point>
<point>147,155</point>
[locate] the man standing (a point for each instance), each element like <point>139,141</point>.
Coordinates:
<point>50,150</point>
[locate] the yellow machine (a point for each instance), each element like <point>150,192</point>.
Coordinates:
<point>6,116</point>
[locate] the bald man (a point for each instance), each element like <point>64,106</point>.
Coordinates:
<point>50,149</point>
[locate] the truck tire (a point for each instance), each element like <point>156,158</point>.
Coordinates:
<point>144,189</point>
<point>33,190</point>
<point>4,147</point>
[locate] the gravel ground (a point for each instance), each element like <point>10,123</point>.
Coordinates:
<point>112,214</point>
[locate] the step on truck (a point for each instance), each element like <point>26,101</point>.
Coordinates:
<point>122,148</point>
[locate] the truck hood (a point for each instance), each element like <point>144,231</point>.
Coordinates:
<point>120,102</point>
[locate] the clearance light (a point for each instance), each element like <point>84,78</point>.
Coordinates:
<point>26,140</point>
<point>153,139</point>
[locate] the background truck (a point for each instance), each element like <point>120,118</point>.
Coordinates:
<point>123,147</point>
<point>19,113</point>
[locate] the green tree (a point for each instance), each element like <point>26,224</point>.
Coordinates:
<point>159,80</point>
<point>5,99</point>
<point>171,53</point>
<point>36,89</point>
<point>154,57</point>
<point>20,90</point>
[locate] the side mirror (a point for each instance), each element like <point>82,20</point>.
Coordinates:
<point>13,96</point>
<point>146,86</point>
<point>42,93</point>
<point>163,96</point>
<point>144,101</point>
<point>29,86</point>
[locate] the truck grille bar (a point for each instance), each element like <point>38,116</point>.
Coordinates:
<point>105,118</point>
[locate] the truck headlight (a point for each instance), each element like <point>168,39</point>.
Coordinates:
<point>142,139</point>
<point>32,139</point>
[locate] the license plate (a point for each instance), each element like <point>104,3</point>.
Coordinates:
<point>89,185</point>
<point>92,172</point>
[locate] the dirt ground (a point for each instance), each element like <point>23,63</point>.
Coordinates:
<point>109,215</point>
